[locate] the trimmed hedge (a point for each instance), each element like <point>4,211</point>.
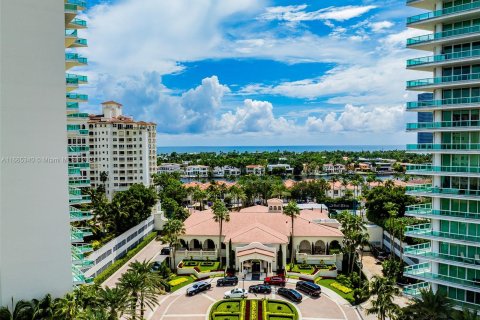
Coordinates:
<point>120,262</point>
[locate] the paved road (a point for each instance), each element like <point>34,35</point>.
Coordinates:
<point>178,306</point>
<point>150,251</point>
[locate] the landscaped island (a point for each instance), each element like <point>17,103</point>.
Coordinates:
<point>253,309</point>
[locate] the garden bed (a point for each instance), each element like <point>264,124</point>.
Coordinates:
<point>200,266</point>
<point>337,288</point>
<point>177,282</point>
<point>253,309</point>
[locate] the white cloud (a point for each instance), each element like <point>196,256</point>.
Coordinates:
<point>381,25</point>
<point>298,13</point>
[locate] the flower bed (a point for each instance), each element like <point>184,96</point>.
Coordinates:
<point>341,287</point>
<point>177,281</point>
<point>253,309</point>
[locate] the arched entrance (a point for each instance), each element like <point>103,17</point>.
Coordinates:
<point>305,247</point>
<point>209,245</point>
<point>320,247</point>
<point>334,247</point>
<point>195,244</point>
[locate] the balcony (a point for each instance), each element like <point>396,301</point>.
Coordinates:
<point>428,41</point>
<point>77,234</point>
<point>430,62</point>
<point>445,104</point>
<point>79,215</point>
<point>462,125</point>
<point>429,19</point>
<point>426,190</point>
<point>424,251</point>
<point>74,60</point>
<point>74,172</point>
<point>424,231</point>
<point>81,249</point>
<point>413,290</point>
<point>75,78</point>
<point>79,183</point>
<point>423,271</point>
<point>447,148</point>
<point>77,149</point>
<point>82,165</point>
<point>79,277</point>
<point>429,170</point>
<point>76,24</point>
<point>426,211</point>
<point>75,97</point>
<point>76,129</point>
<point>82,115</point>
<point>79,43</point>
<point>79,199</point>
<point>444,82</point>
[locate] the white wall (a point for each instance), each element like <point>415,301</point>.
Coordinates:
<point>34,216</point>
<point>118,247</point>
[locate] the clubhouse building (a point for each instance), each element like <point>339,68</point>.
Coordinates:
<point>257,238</point>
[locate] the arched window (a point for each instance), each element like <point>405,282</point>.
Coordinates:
<point>305,247</point>
<point>208,245</point>
<point>320,247</point>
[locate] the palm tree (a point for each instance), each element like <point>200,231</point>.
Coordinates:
<point>220,214</point>
<point>199,195</point>
<point>114,301</point>
<point>172,230</point>
<point>332,180</point>
<point>67,307</point>
<point>465,315</point>
<point>94,314</point>
<point>429,305</point>
<point>392,210</point>
<point>291,210</point>
<point>385,292</point>
<point>363,238</point>
<point>44,308</point>
<point>22,310</point>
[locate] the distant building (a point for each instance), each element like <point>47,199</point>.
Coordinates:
<point>169,168</point>
<point>425,137</point>
<point>333,168</point>
<point>282,166</point>
<point>255,169</point>
<point>122,151</point>
<point>225,171</point>
<point>197,171</point>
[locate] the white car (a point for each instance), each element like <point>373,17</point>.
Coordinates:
<point>235,293</point>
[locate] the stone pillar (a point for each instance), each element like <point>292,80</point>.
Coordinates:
<point>284,250</point>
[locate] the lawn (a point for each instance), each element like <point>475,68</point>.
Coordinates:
<point>327,283</point>
<point>189,279</point>
<point>306,268</point>
<point>229,306</point>
<point>253,309</point>
<point>204,266</point>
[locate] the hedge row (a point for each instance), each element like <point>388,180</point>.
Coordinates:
<point>120,262</point>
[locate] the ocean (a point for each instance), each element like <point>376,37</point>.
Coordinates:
<point>241,149</point>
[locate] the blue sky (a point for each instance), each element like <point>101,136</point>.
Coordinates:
<point>255,72</point>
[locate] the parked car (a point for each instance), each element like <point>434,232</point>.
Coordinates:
<point>156,266</point>
<point>275,281</point>
<point>227,281</point>
<point>310,288</point>
<point>235,293</point>
<point>198,287</point>
<point>165,251</point>
<point>290,294</point>
<point>260,288</point>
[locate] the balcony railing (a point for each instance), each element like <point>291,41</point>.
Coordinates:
<point>444,57</point>
<point>78,115</point>
<point>422,188</point>
<point>81,42</point>
<point>78,78</point>
<point>79,22</point>
<point>443,146</point>
<point>443,35</point>
<point>442,169</point>
<point>76,96</point>
<point>413,290</point>
<point>443,12</point>
<point>73,149</point>
<point>440,103</point>
<point>84,165</point>
<point>440,80</point>
<point>79,182</point>
<point>75,57</point>
<point>81,248</point>
<point>424,271</point>
<point>76,214</point>
<point>425,231</point>
<point>80,3</point>
<point>426,210</point>
<point>443,124</point>
<point>424,251</point>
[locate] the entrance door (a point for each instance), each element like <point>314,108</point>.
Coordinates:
<point>255,266</point>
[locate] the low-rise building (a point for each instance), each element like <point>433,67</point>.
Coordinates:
<point>255,169</point>
<point>280,166</point>
<point>225,171</point>
<point>197,171</point>
<point>333,168</point>
<point>169,168</point>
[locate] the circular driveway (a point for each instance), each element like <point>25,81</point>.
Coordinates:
<point>178,306</point>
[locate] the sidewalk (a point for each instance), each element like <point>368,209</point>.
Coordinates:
<point>150,251</point>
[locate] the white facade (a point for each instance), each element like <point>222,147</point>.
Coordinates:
<point>225,171</point>
<point>256,170</point>
<point>122,151</point>
<point>169,168</point>
<point>34,222</point>
<point>285,167</point>
<point>197,171</point>
<point>333,168</point>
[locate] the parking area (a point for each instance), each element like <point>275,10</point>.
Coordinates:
<point>178,306</point>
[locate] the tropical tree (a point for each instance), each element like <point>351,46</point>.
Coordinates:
<point>22,310</point>
<point>199,196</point>
<point>43,308</point>
<point>383,305</point>
<point>94,314</point>
<point>114,301</point>
<point>333,179</point>
<point>292,210</point>
<point>429,306</point>
<point>172,231</point>
<point>465,315</point>
<point>354,229</point>
<point>67,307</point>
<point>220,214</point>
<point>392,211</point>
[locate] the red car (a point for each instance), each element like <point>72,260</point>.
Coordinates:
<point>275,281</point>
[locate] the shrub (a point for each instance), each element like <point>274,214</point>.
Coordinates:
<point>340,287</point>
<point>332,268</point>
<point>304,266</point>
<point>207,263</point>
<point>176,282</point>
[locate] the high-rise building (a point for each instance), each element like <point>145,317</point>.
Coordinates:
<point>450,256</point>
<point>77,133</point>
<point>424,137</point>
<point>122,151</point>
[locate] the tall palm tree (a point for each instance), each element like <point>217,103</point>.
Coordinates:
<point>67,307</point>
<point>385,291</point>
<point>43,309</point>
<point>292,210</point>
<point>429,305</point>
<point>220,214</point>
<point>363,241</point>
<point>114,301</point>
<point>332,180</point>
<point>22,310</point>
<point>465,315</point>
<point>172,230</point>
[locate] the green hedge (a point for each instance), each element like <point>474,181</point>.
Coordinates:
<point>119,263</point>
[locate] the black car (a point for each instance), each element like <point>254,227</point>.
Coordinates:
<point>309,287</point>
<point>227,281</point>
<point>290,294</point>
<point>165,251</point>
<point>198,287</point>
<point>156,266</point>
<point>260,288</point>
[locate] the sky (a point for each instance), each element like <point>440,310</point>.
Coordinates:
<point>255,72</point>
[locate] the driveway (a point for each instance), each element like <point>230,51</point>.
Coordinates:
<point>178,306</point>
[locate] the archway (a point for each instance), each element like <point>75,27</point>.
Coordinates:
<point>183,244</point>
<point>334,247</point>
<point>320,247</point>
<point>209,245</point>
<point>195,244</point>
<point>305,247</point>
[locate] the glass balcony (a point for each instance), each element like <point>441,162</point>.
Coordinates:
<point>443,12</point>
<point>434,104</point>
<point>72,105</point>
<point>443,35</point>
<point>423,271</point>
<point>74,171</point>
<point>413,290</point>
<point>424,251</point>
<point>80,3</point>
<point>76,149</point>
<point>79,23</point>
<point>79,277</point>
<point>83,165</point>
<point>79,183</point>
<point>442,80</point>
<point>443,146</point>
<point>80,43</point>
<point>79,215</point>
<point>429,169</point>
<point>81,248</point>
<point>75,97</point>
<point>76,58</point>
<point>442,125</point>
<point>75,77</point>
<point>81,200</point>
<point>71,8</point>
<point>78,115</point>
<point>71,33</point>
<point>427,188</point>
<point>443,57</point>
<point>424,231</point>
<point>426,211</point>
<point>462,305</point>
